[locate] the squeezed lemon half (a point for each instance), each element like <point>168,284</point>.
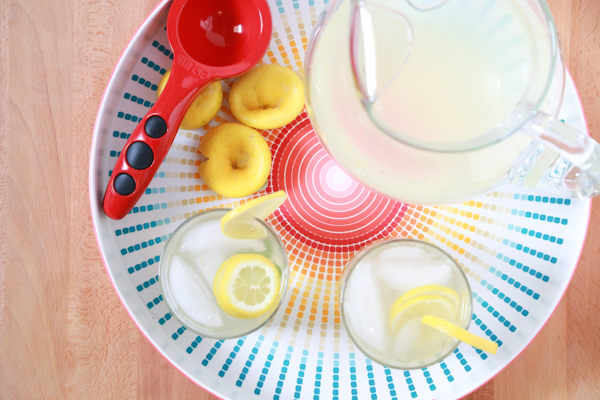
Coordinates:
<point>247,286</point>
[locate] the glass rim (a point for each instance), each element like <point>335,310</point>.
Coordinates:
<point>348,271</point>
<point>283,289</point>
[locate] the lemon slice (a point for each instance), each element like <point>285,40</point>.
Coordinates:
<point>427,290</point>
<point>247,286</point>
<point>242,222</point>
<point>434,304</point>
<point>460,334</point>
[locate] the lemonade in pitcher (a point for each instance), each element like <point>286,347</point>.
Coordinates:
<point>413,102</point>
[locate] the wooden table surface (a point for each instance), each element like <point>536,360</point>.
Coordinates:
<point>63,331</point>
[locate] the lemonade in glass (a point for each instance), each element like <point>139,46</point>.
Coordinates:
<point>199,259</point>
<point>389,287</point>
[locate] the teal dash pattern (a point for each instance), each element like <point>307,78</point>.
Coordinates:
<point>486,330</point>
<point>411,386</point>
<point>143,264</point>
<point>156,190</point>
<point>317,390</point>
<point>462,360</point>
<point>530,251</point>
<point>154,301</point>
<point>140,227</point>
<point>513,282</point>
<point>353,383</point>
<point>284,369</point>
<point>194,344</point>
<point>138,100</point>
<point>537,199</point>
<point>280,6</point>
<point>371,377</point>
<point>251,358</point>
<point>212,352</point>
<point>336,375</point>
<point>144,82</point>
<point>149,207</point>
<point>446,371</point>
<point>179,332</point>
<point>121,135</point>
<point>147,284</point>
<point>390,381</point>
<point>153,65</point>
<point>541,217</point>
<point>164,319</point>
<point>532,233</point>
<point>115,153</point>
<point>495,313</point>
<point>481,354</point>
<point>167,52</point>
<point>527,250</point>
<point>300,379</point>
<point>232,356</point>
<point>504,297</point>
<point>265,370</point>
<point>143,245</point>
<point>128,117</point>
<point>524,268</point>
<point>429,379</point>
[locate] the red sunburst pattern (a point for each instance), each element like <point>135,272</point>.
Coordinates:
<point>326,209</point>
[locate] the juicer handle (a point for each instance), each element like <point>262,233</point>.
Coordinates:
<point>576,173</point>
<point>149,143</point>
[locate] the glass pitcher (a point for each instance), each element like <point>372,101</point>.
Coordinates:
<point>435,102</point>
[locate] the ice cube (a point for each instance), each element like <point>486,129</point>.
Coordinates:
<point>207,239</point>
<point>193,296</point>
<point>407,335</point>
<point>237,246</point>
<point>363,299</point>
<point>208,264</point>
<point>403,275</point>
<point>401,253</point>
<point>203,237</point>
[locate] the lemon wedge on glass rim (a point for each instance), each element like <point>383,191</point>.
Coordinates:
<point>243,221</point>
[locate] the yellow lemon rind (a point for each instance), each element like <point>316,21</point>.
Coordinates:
<point>396,312</point>
<point>238,160</point>
<point>225,278</point>
<point>267,97</point>
<point>204,107</point>
<point>242,222</point>
<point>460,334</point>
<point>428,290</point>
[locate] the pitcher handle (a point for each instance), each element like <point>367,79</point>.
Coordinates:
<point>576,173</point>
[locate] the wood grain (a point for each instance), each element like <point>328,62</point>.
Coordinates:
<point>63,331</point>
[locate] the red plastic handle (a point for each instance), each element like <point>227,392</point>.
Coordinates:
<point>179,92</point>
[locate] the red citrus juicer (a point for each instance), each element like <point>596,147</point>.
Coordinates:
<point>211,40</point>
